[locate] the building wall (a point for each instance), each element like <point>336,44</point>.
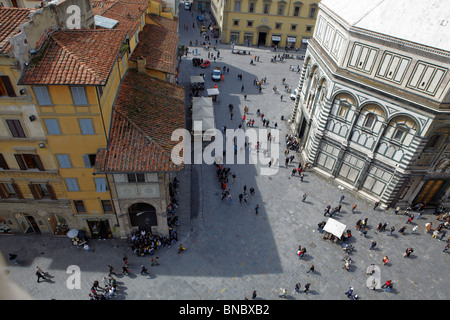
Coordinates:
<point>245,22</point>
<point>365,110</point>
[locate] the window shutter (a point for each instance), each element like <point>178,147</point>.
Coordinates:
<point>100,184</point>
<point>87,162</point>
<point>51,191</point>
<point>16,128</point>
<point>3,163</point>
<point>52,126</point>
<point>34,191</point>
<point>17,190</point>
<point>86,126</point>
<point>64,161</point>
<point>20,162</point>
<point>8,86</point>
<point>3,193</point>
<point>42,96</point>
<point>38,162</point>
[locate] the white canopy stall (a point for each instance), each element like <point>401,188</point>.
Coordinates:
<point>335,228</point>
<point>202,113</point>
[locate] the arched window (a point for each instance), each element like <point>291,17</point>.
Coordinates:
<point>370,120</point>
<point>342,104</point>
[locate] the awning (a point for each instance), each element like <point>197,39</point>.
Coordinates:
<point>213,92</point>
<point>335,227</point>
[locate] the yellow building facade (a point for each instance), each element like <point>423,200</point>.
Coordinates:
<point>281,24</point>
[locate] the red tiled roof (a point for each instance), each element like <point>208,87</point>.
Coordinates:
<point>146,112</point>
<point>127,13</point>
<point>158,45</point>
<point>83,57</point>
<point>10,20</point>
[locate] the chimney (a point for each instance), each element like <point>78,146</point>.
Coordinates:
<point>141,63</point>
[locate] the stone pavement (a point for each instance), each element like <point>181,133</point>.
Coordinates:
<point>230,250</point>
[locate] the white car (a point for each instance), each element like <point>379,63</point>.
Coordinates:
<point>216,75</point>
<point>294,94</point>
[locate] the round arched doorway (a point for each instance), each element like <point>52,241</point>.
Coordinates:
<point>143,216</point>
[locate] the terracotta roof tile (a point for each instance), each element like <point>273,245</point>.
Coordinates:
<point>146,112</point>
<point>83,57</point>
<point>158,45</point>
<point>127,13</point>
<point>10,21</point>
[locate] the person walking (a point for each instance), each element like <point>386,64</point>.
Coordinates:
<point>342,199</point>
<point>408,252</point>
<point>376,205</point>
<point>311,269</point>
<point>373,245</point>
<point>307,287</point>
<point>40,274</point>
<point>385,260</point>
<point>304,197</point>
<point>143,270</point>
<point>254,294</point>
<point>446,248</point>
<point>257,209</point>
<point>354,207</point>
<point>391,231</point>
<point>302,175</point>
<point>349,292</point>
<point>111,270</point>
<point>283,293</point>
<point>297,288</point>
<point>402,230</point>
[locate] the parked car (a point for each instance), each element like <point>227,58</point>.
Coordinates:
<point>216,74</point>
<point>199,17</point>
<point>294,94</point>
<point>205,64</point>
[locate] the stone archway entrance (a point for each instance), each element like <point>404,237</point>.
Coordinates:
<point>142,215</point>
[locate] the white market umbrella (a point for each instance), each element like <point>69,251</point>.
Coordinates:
<point>72,233</point>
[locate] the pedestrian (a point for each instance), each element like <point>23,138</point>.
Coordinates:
<point>12,257</point>
<point>242,88</point>
<point>402,230</point>
<point>442,235</point>
<point>304,197</point>
<point>355,297</point>
<point>281,98</point>
<point>410,219</point>
<point>254,294</point>
<point>373,245</point>
<point>297,288</point>
<point>283,293</point>
<point>39,275</point>
<point>252,191</point>
<point>408,252</point>
<point>257,209</point>
<point>293,172</point>
<point>376,205</point>
<point>302,176</point>
<point>125,270</point>
<point>143,270</point>
<point>383,227</point>
<point>349,292</point>
<point>86,248</point>
<point>353,208</point>
<point>446,248</point>
<point>111,270</point>
<point>311,269</point>
<point>385,260</point>
<point>414,229</point>
<point>397,210</point>
<point>241,197</point>
<point>342,199</point>
<point>391,231</point>
<point>307,287</point>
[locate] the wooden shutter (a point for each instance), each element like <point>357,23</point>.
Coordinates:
<point>34,191</point>
<point>38,162</point>
<point>16,128</point>
<point>20,162</point>
<point>3,193</point>
<point>51,191</point>
<point>8,86</point>
<point>3,163</point>
<point>17,190</point>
